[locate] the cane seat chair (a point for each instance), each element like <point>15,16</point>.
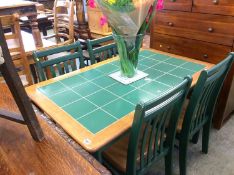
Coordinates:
<point>15,45</point>
<point>149,141</point>
<point>60,65</point>
<point>101,49</point>
<point>199,113</point>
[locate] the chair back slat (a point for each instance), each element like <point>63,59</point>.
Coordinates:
<point>61,64</point>
<point>59,67</point>
<point>52,71</point>
<point>101,49</point>
<point>204,97</point>
<point>149,137</point>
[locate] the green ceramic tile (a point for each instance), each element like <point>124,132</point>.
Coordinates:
<point>153,73</point>
<point>141,82</point>
<point>91,74</point>
<point>146,53</point>
<point>65,98</point>
<point>155,88</point>
<point>148,62</point>
<point>119,108</point>
<point>79,108</point>
<point>101,97</point>
<point>169,80</point>
<point>141,67</point>
<point>180,72</point>
<point>138,96</point>
<point>193,66</point>
<point>96,121</point>
<point>107,68</point>
<point>164,67</point>
<point>175,61</point>
<point>73,81</point>
<point>104,81</point>
<point>159,57</point>
<point>120,89</point>
<point>116,63</point>
<point>86,89</point>
<point>52,89</point>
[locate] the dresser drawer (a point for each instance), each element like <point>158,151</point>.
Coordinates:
<point>224,7</point>
<point>181,5</point>
<point>212,53</point>
<point>204,27</point>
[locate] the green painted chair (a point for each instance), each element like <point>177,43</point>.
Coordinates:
<point>200,109</point>
<point>149,141</point>
<point>61,64</point>
<point>101,49</point>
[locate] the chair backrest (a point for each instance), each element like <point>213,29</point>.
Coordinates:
<point>203,99</point>
<point>64,21</point>
<point>61,64</point>
<point>149,138</point>
<point>101,48</point>
<point>15,45</point>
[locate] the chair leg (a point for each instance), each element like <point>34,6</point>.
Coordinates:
<point>168,163</point>
<point>195,137</point>
<point>205,137</point>
<point>183,145</point>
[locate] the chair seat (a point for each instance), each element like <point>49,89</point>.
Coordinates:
<point>181,118</point>
<point>116,155</point>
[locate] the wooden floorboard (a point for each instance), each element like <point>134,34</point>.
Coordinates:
<point>20,154</point>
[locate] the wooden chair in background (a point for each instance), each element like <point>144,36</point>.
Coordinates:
<point>63,22</point>
<point>199,113</point>
<point>149,141</point>
<point>16,47</point>
<point>61,64</point>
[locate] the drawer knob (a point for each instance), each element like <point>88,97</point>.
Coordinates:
<point>205,56</point>
<point>215,2</point>
<point>210,29</point>
<point>168,47</point>
<point>170,24</point>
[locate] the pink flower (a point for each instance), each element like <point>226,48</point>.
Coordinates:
<point>159,5</point>
<point>103,20</point>
<point>92,4</point>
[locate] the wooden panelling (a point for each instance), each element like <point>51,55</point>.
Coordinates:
<point>182,5</point>
<point>223,7</point>
<point>212,53</point>
<point>204,27</point>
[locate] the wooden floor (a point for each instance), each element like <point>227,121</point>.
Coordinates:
<point>20,154</point>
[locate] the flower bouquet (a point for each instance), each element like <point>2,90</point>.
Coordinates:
<point>129,19</point>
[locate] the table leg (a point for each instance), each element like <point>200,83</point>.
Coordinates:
<point>35,31</point>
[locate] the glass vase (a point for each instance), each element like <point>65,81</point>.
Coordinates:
<point>128,49</point>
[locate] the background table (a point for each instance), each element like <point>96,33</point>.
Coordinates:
<point>94,109</point>
<point>23,8</point>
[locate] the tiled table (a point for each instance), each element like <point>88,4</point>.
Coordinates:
<point>94,108</point>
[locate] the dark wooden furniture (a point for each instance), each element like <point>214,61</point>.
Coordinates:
<point>23,8</point>
<point>203,30</point>
<point>56,154</point>
<point>8,71</point>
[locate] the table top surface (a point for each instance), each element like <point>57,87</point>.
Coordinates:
<point>15,3</point>
<point>94,108</point>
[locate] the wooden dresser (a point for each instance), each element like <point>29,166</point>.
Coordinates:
<point>203,30</point>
